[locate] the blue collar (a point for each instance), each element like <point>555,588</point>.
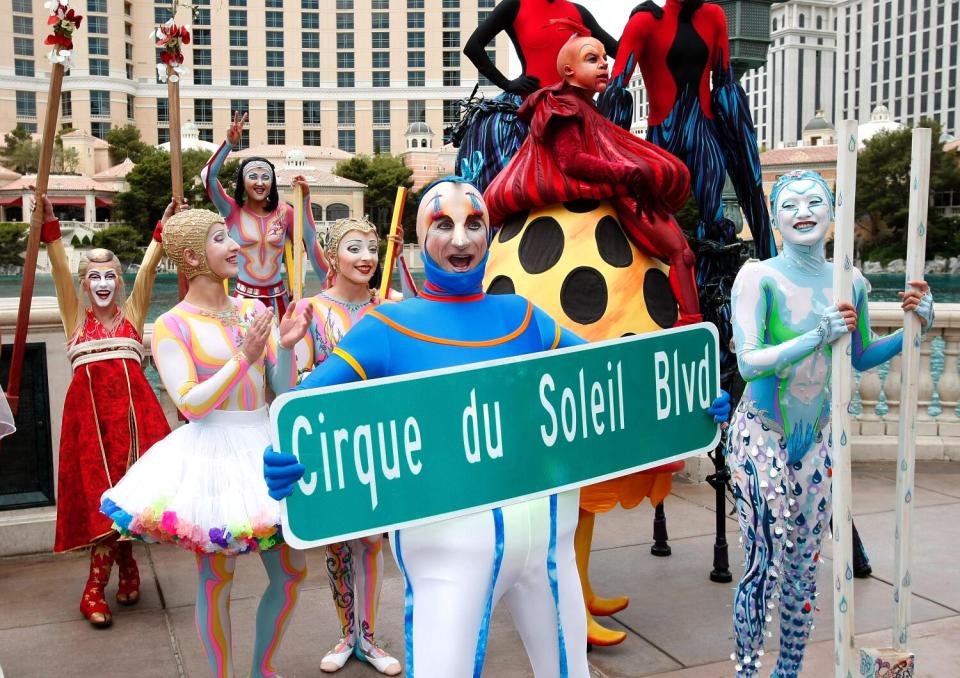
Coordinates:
<point>446,284</point>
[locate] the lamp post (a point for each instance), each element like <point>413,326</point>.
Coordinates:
<point>748,27</point>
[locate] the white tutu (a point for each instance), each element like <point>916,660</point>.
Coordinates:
<point>201,487</point>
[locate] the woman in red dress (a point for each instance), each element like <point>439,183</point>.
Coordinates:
<point>110,415</point>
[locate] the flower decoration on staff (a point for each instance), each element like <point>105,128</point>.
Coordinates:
<point>170,39</point>
<point>64,21</point>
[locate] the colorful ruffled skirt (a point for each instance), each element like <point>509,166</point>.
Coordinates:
<point>201,488</point>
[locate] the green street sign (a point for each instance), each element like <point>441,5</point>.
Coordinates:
<point>416,448</point>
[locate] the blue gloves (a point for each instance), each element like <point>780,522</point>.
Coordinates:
<point>720,408</point>
<point>282,471</point>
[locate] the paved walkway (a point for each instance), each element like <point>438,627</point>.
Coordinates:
<point>678,621</point>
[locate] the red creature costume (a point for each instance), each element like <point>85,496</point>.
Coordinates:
<point>573,152</point>
<point>110,414</point>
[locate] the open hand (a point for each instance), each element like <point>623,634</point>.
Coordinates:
<point>293,328</point>
<point>236,129</point>
<point>255,340</point>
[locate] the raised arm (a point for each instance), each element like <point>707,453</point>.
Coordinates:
<point>138,301</point>
<point>209,174</point>
<point>501,19</point>
<point>311,240</point>
<point>67,299</point>
<point>609,43</point>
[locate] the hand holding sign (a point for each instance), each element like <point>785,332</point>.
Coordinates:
<point>281,471</point>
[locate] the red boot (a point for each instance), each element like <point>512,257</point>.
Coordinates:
<point>93,605</point>
<point>128,591</point>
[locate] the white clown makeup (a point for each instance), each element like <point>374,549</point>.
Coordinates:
<point>101,283</point>
<point>357,256</point>
<point>803,213</point>
<point>257,181</point>
<point>222,252</point>
<point>452,224</point>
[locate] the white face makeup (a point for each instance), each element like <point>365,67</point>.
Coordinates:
<point>803,213</point>
<point>455,219</point>
<point>357,257</point>
<point>222,252</point>
<point>101,285</point>
<point>257,182</point>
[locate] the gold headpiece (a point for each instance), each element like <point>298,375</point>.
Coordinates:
<point>339,229</point>
<point>98,255</point>
<point>188,230</point>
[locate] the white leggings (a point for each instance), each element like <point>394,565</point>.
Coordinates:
<point>457,570</point>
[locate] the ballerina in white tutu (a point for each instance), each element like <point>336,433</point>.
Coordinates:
<point>202,486</point>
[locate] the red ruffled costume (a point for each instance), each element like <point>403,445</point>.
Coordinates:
<point>110,417</point>
<point>574,153</point>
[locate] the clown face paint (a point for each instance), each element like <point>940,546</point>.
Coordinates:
<point>803,213</point>
<point>222,252</point>
<point>357,257</point>
<point>583,63</point>
<point>101,285</point>
<point>257,181</point>
<point>453,224</point>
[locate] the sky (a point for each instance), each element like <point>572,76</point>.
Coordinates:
<point>611,14</point>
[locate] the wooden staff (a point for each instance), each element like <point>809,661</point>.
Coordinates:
<point>395,227</point>
<point>841,389</point>
<point>296,288</point>
<point>909,389</point>
<point>33,239</point>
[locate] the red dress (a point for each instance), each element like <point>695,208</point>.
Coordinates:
<point>110,417</point>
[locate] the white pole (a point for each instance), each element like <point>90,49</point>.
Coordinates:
<point>909,391</point>
<point>841,387</point>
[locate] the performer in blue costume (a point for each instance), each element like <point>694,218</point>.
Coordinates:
<point>457,570</point>
<point>784,322</point>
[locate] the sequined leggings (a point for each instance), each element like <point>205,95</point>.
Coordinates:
<point>784,509</point>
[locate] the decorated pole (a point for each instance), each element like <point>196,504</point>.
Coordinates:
<point>395,225</point>
<point>296,275</point>
<point>840,393</point>
<point>64,21</point>
<point>170,39</point>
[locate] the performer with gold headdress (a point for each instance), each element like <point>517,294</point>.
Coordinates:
<point>201,487</point>
<point>111,415</point>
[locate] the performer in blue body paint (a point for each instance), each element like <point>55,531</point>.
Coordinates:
<point>784,322</point>
<point>457,570</point>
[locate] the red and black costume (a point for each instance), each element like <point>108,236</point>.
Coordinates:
<point>573,153</point>
<point>492,127</point>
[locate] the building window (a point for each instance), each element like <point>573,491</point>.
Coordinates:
<point>238,17</point>
<point>274,59</point>
<point>486,4</point>
<point>240,106</point>
<point>451,38</point>
<point>451,111</point>
<point>25,7</point>
<point>451,59</point>
<point>274,20</point>
<point>99,103</point>
<point>276,137</point>
<point>344,21</point>
<point>347,140</point>
<point>381,112</point>
<point>23,25</point>
<point>311,112</point>
<point>346,113</point>
<point>344,60</point>
<point>27,104</point>
<point>311,78</point>
<point>239,78</point>
<point>381,79</point>
<point>310,4</point>
<point>97,24</point>
<point>66,104</point>
<point>311,137</point>
<point>202,57</point>
<point>274,39</point>
<point>310,21</point>
<point>206,134</point>
<point>25,68</point>
<point>162,14</point>
<point>345,80</point>
<point>98,46</point>
<point>451,78</point>
<point>379,21</point>
<point>344,4</point>
<point>163,135</point>
<point>202,76</point>
<point>344,40</point>
<point>416,111</point>
<point>130,106</point>
<point>416,79</point>
<point>380,40</point>
<point>381,59</point>
<point>312,60</point>
<point>238,57</point>
<point>482,16</point>
<point>451,19</point>
<point>274,78</point>
<point>451,4</point>
<point>99,129</point>
<point>416,60</point>
<point>163,110</point>
<point>415,20</point>
<point>201,17</point>
<point>128,51</point>
<point>238,3</point>
<point>381,141</point>
<point>414,4</point>
<point>310,40</point>
<point>238,38</point>
<point>203,111</point>
<point>23,46</point>
<point>201,36</point>
<point>415,40</point>
<point>276,111</point>
<point>379,4</point>
<point>274,4</point>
